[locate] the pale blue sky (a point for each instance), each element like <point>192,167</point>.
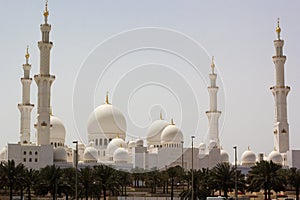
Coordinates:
<point>239,34</point>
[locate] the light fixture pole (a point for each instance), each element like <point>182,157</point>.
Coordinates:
<point>182,154</point>
<point>235,179</point>
<point>76,168</point>
<point>193,166</point>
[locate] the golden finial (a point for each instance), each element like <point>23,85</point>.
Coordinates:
<point>46,12</point>
<point>172,121</point>
<point>160,116</point>
<point>278,29</point>
<point>27,55</point>
<point>106,98</point>
<point>213,64</point>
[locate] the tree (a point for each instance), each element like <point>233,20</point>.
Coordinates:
<point>106,179</point>
<point>201,185</point>
<point>174,174</point>
<point>50,180</point>
<point>293,178</point>
<point>30,178</point>
<point>86,179</point>
<point>11,174</point>
<point>265,175</point>
<point>125,180</point>
<point>223,177</point>
<point>68,182</point>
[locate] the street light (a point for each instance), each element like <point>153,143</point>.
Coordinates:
<point>235,179</point>
<point>193,166</point>
<point>182,154</point>
<point>76,167</point>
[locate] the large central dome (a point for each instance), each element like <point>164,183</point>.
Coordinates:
<point>107,120</point>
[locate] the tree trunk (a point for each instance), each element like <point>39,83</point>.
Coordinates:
<point>297,193</point>
<point>21,193</point>
<point>104,193</point>
<point>10,192</point>
<point>269,194</point>
<point>29,192</point>
<point>266,197</point>
<point>172,188</point>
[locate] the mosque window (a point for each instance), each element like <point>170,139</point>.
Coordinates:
<point>24,159</point>
<point>103,153</point>
<point>110,139</point>
<point>35,160</point>
<point>24,152</point>
<point>100,141</point>
<point>96,143</point>
<point>55,144</point>
<point>36,153</point>
<point>30,152</point>
<point>30,159</point>
<point>105,141</point>
<point>51,143</point>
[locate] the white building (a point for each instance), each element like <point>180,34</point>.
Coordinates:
<point>106,129</point>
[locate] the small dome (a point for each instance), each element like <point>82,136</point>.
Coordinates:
<point>113,145</point>
<point>60,155</point>
<point>248,157</point>
<point>276,157</point>
<point>224,156</point>
<point>212,144</point>
<point>131,144</point>
<point>171,134</point>
<point>107,120</point>
<point>154,132</point>
<point>121,155</point>
<point>139,143</point>
<point>90,154</point>
<point>202,146</point>
<point>57,130</point>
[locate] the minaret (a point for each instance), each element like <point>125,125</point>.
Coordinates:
<point>213,114</point>
<point>280,92</point>
<point>25,107</point>
<point>44,81</point>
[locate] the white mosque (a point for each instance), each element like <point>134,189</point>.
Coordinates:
<point>106,129</point>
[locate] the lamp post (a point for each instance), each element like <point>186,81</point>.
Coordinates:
<point>235,179</point>
<point>182,154</point>
<point>76,168</point>
<point>193,166</point>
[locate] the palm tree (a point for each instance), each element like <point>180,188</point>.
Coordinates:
<point>50,180</point>
<point>265,175</point>
<point>107,180</point>
<point>223,178</point>
<point>293,178</point>
<point>30,178</point>
<point>68,180</point>
<point>11,174</point>
<point>201,185</point>
<point>153,180</point>
<point>174,174</point>
<point>86,179</point>
<point>125,179</point>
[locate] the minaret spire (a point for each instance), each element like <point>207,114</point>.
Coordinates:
<point>212,65</point>
<point>25,107</point>
<point>278,29</point>
<point>213,114</point>
<point>46,12</point>
<point>44,81</point>
<point>280,92</point>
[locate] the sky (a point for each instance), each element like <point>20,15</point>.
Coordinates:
<point>154,56</point>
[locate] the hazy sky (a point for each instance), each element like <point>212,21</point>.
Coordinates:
<point>152,56</point>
